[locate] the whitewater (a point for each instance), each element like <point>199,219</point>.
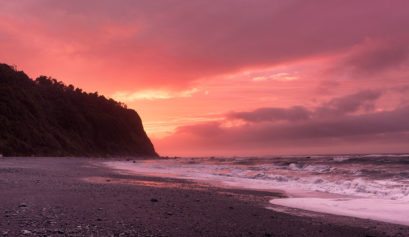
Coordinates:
<point>365,186</point>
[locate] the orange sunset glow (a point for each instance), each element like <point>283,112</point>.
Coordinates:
<point>230,77</point>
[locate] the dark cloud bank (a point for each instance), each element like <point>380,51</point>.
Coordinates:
<point>343,125</point>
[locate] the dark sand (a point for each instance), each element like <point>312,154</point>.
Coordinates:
<point>78,197</point>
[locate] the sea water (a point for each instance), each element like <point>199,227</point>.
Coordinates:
<point>366,186</point>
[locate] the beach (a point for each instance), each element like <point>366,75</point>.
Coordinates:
<point>84,197</point>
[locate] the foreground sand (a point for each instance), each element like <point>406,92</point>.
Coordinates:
<point>79,197</point>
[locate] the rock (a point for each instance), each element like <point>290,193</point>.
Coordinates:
<point>26,232</point>
<point>22,205</point>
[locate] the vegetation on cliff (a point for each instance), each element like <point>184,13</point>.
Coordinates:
<point>44,117</point>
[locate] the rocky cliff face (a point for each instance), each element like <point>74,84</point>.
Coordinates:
<point>44,117</point>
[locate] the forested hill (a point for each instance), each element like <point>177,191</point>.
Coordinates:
<point>44,117</point>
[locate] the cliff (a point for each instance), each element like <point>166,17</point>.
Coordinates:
<point>44,117</point>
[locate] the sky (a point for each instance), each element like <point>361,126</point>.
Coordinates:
<point>230,77</point>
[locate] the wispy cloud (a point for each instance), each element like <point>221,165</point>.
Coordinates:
<point>282,76</point>
<point>153,95</point>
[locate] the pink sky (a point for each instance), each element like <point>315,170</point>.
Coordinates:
<point>230,77</point>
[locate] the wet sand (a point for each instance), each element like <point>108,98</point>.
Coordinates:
<point>80,197</point>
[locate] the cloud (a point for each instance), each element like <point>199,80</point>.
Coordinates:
<point>300,129</point>
<point>362,101</point>
<point>156,43</point>
<point>372,58</point>
<point>295,113</point>
<point>153,95</point>
<point>283,76</point>
<point>385,128</point>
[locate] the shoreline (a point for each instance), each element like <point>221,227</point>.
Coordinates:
<point>78,197</point>
<point>383,210</point>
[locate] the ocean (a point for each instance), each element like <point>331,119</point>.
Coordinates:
<point>372,186</point>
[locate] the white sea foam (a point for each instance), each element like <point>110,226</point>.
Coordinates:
<point>392,211</point>
<point>341,158</point>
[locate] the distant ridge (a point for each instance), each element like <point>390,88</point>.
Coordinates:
<point>44,117</point>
